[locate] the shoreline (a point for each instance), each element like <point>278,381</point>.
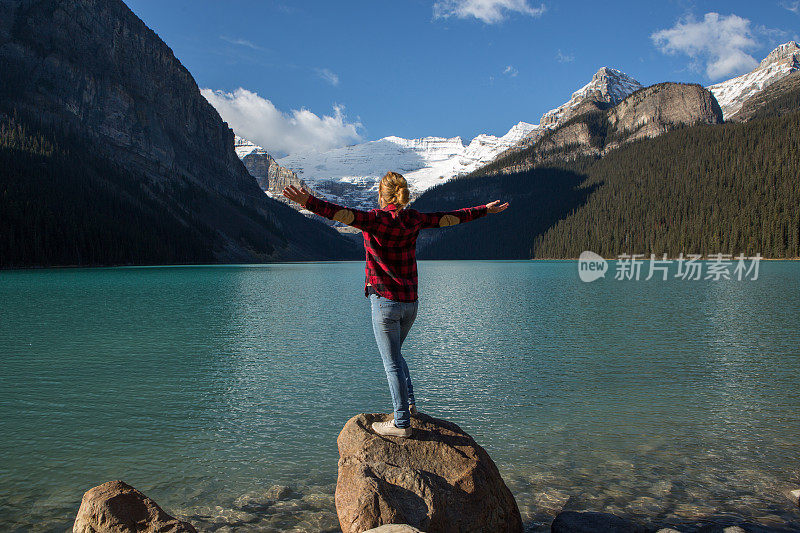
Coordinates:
<point>311,508</point>
<point>253,265</point>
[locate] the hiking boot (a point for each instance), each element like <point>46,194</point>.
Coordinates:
<point>388,429</point>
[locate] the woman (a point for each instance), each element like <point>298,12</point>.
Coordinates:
<point>390,238</point>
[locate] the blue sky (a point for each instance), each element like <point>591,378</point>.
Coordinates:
<point>297,75</point>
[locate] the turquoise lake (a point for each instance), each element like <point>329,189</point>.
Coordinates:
<point>675,402</point>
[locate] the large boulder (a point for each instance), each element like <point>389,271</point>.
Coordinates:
<point>116,507</point>
<point>439,480</point>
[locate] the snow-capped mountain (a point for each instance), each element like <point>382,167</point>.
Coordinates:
<point>608,85</point>
<point>352,173</point>
<point>244,147</point>
<point>732,93</point>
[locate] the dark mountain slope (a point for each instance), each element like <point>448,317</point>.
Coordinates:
<point>538,198</point>
<point>89,79</point>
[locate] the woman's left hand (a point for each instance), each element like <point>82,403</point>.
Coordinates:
<point>496,206</point>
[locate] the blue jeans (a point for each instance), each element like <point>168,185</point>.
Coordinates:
<point>391,321</point>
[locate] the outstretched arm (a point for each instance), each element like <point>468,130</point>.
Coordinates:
<point>363,220</point>
<point>450,218</point>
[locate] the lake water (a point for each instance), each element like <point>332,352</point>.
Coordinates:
<point>673,401</point>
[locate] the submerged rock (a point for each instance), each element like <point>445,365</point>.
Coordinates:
<point>593,522</point>
<point>281,492</point>
<point>439,480</point>
<point>116,507</point>
<point>395,528</point>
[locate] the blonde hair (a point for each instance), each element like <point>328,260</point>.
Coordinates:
<point>393,190</point>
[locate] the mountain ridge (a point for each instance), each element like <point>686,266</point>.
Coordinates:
<point>597,129</point>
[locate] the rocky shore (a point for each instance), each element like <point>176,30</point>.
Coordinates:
<point>441,480</point>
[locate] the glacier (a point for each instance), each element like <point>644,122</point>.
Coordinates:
<point>424,162</point>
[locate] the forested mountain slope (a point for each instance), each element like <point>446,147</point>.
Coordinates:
<point>726,188</point>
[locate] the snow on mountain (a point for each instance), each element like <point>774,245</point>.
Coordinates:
<point>424,162</point>
<point>350,175</point>
<point>732,93</point>
<point>243,147</point>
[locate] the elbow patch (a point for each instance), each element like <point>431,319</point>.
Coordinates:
<point>345,216</point>
<point>448,220</point>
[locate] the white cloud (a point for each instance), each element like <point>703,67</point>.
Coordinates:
<point>329,76</point>
<point>721,42</point>
<point>794,7</point>
<point>489,11</point>
<point>564,58</point>
<point>240,42</point>
<point>258,120</point>
<point>510,71</point>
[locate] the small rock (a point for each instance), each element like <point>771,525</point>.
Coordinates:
<point>288,506</point>
<point>661,488</point>
<point>394,528</point>
<point>281,492</point>
<point>551,500</point>
<point>693,511</point>
<point>593,522</point>
<point>645,505</point>
<point>259,501</point>
<point>667,530</point>
<point>715,528</point>
<point>253,502</point>
<point>319,500</point>
<point>795,495</point>
<point>224,515</point>
<point>116,507</point>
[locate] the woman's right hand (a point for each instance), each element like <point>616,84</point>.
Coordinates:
<point>496,206</point>
<point>296,195</point>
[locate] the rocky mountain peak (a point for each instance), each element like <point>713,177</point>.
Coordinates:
<point>785,54</point>
<point>269,175</point>
<point>608,86</point>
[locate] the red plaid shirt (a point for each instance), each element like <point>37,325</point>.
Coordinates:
<point>390,240</point>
